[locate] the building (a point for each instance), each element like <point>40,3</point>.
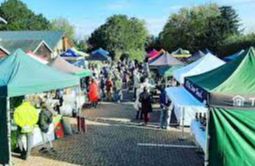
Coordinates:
<point>40,42</point>
<point>37,47</point>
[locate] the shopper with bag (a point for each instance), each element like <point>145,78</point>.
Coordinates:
<point>45,119</point>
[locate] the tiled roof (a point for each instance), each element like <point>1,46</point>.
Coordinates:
<point>50,37</point>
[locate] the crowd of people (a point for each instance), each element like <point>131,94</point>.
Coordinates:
<point>107,84</point>
<point>109,81</point>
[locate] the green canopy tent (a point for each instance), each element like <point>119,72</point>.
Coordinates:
<point>230,94</point>
<point>62,65</point>
<point>168,70</point>
<point>220,86</point>
<point>20,75</point>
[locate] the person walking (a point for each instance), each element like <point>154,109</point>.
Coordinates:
<point>146,103</point>
<point>109,86</point>
<point>165,112</point>
<point>93,93</point>
<point>45,119</point>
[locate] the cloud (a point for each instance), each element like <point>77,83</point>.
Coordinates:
<point>118,5</point>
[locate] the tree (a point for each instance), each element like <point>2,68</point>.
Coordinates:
<point>62,24</point>
<point>19,17</point>
<point>119,35</point>
<point>199,28</point>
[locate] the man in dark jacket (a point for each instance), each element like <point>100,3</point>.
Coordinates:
<point>164,105</point>
<point>45,119</point>
<point>146,102</point>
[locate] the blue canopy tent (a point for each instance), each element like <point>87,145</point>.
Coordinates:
<point>70,53</point>
<point>72,57</point>
<point>233,57</point>
<point>99,55</point>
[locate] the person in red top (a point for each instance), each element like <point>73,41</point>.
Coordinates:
<point>93,94</point>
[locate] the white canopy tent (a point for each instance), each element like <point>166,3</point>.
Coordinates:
<point>185,105</point>
<point>202,65</point>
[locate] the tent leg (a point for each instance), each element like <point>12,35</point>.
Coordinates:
<point>5,132</point>
<point>182,125</point>
<point>206,162</point>
<point>9,128</point>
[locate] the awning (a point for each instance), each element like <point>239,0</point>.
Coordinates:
<point>202,65</point>
<point>20,75</point>
<point>185,105</point>
<point>232,84</point>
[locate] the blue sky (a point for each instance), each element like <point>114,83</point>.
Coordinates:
<point>86,15</point>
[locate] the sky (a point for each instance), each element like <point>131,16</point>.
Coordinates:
<point>87,15</point>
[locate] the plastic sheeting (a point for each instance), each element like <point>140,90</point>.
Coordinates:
<point>185,105</point>
<point>202,65</point>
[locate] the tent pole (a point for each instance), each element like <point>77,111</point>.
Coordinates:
<point>182,135</point>
<point>206,162</point>
<point>8,129</point>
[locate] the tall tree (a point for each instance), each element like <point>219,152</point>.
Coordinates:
<point>19,17</point>
<point>199,28</point>
<point>62,24</point>
<point>119,35</point>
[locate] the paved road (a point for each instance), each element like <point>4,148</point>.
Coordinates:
<point>115,139</point>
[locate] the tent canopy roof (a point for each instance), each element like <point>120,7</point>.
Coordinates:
<point>99,55</point>
<point>233,56</point>
<point>153,53</point>
<point>181,53</point>
<point>199,54</point>
<point>61,64</point>
<point>204,64</point>
<point>165,60</point>
<point>236,76</point>
<point>232,79</point>
<point>70,53</point>
<point>20,75</point>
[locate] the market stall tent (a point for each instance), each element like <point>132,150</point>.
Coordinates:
<point>202,65</point>
<point>20,75</point>
<point>229,85</point>
<point>185,105</point>
<point>167,71</point>
<point>165,60</point>
<point>99,55</point>
<point>153,53</point>
<point>234,56</point>
<point>181,53</point>
<point>197,55</point>
<point>232,137</point>
<point>62,65</point>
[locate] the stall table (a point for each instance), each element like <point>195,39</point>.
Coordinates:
<point>199,134</point>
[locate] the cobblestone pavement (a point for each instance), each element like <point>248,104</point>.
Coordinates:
<point>115,139</point>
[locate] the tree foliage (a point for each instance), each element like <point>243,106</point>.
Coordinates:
<point>199,28</point>
<point>62,24</point>
<point>236,43</point>
<point>120,34</point>
<point>19,17</point>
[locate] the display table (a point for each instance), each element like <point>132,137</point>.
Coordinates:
<point>198,134</point>
<point>185,105</point>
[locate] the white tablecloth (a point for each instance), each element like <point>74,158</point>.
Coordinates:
<point>184,103</point>
<point>199,134</point>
